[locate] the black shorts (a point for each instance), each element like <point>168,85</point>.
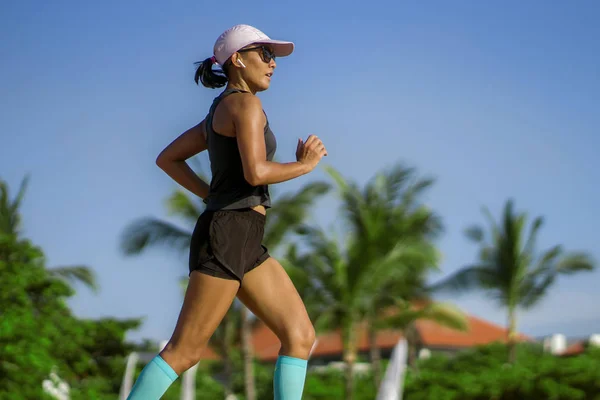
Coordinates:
<point>228,243</point>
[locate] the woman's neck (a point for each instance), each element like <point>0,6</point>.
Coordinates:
<point>243,86</point>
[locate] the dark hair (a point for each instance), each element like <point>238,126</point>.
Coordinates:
<point>210,77</point>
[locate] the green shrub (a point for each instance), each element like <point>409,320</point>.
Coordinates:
<point>483,374</point>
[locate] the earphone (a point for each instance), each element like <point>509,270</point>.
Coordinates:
<point>241,63</point>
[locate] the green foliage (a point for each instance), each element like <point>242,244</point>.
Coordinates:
<point>77,274</point>
<point>39,334</point>
<point>330,385</point>
<point>510,269</point>
<point>263,376</point>
<point>10,224</point>
<point>31,306</point>
<point>384,258</point>
<point>478,374</point>
<point>483,374</point>
<point>10,218</point>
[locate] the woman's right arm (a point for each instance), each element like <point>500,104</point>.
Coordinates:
<point>250,120</point>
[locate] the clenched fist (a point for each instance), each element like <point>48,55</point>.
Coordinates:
<point>311,151</point>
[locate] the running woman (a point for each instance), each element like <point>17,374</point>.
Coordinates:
<point>227,258</point>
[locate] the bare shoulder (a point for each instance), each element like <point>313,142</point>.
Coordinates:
<point>244,105</point>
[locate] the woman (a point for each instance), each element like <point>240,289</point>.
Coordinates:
<point>227,258</point>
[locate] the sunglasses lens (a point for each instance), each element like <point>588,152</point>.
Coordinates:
<point>267,55</point>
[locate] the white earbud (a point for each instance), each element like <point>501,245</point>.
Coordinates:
<point>241,63</point>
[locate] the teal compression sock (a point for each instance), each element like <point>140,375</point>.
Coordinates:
<point>288,382</point>
<point>154,380</point>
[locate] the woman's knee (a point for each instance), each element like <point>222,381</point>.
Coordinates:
<point>299,339</point>
<point>182,357</point>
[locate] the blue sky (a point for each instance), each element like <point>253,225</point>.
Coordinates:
<point>495,101</point>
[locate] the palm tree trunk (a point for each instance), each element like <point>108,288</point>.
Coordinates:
<point>411,335</point>
<point>248,356</point>
<point>375,354</point>
<point>349,340</point>
<point>227,371</point>
<point>511,338</point>
<point>349,359</point>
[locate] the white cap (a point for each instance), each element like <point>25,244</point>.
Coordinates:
<point>240,36</point>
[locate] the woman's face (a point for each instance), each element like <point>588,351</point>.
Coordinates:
<point>260,64</point>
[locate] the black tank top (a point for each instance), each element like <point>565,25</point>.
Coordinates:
<point>229,189</point>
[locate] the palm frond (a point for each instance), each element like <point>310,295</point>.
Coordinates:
<point>475,233</point>
<point>447,315</point>
<point>532,291</point>
<point>10,217</point>
<point>181,205</point>
<point>20,194</point>
<point>465,279</point>
<point>337,177</point>
<point>495,230</point>
<point>77,274</point>
<point>292,210</point>
<point>575,262</point>
<point>406,262</point>
<point>444,314</point>
<point>531,239</point>
<point>547,262</point>
<point>149,232</point>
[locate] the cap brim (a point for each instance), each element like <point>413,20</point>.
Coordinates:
<point>280,47</point>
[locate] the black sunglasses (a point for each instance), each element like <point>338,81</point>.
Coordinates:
<point>266,54</point>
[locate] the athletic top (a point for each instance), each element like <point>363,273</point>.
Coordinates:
<point>229,189</point>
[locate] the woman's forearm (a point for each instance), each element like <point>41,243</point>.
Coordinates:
<point>269,172</point>
<point>181,173</point>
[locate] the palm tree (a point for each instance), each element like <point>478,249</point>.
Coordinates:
<point>10,223</point>
<point>149,232</point>
<point>510,270</point>
<point>382,261</point>
<point>10,217</point>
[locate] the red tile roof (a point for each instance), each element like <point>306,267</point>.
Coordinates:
<point>574,349</point>
<point>208,354</point>
<point>479,332</point>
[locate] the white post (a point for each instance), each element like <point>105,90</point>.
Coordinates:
<point>127,383</point>
<point>558,343</point>
<point>391,387</point>
<point>188,383</point>
<point>314,346</point>
<point>188,379</point>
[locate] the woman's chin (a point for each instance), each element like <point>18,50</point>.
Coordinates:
<point>263,86</point>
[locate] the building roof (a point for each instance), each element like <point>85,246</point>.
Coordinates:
<point>574,349</point>
<point>208,354</point>
<point>480,332</point>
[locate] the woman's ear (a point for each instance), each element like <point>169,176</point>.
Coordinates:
<point>236,61</point>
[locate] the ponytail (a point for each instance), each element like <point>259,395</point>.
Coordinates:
<point>210,78</point>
